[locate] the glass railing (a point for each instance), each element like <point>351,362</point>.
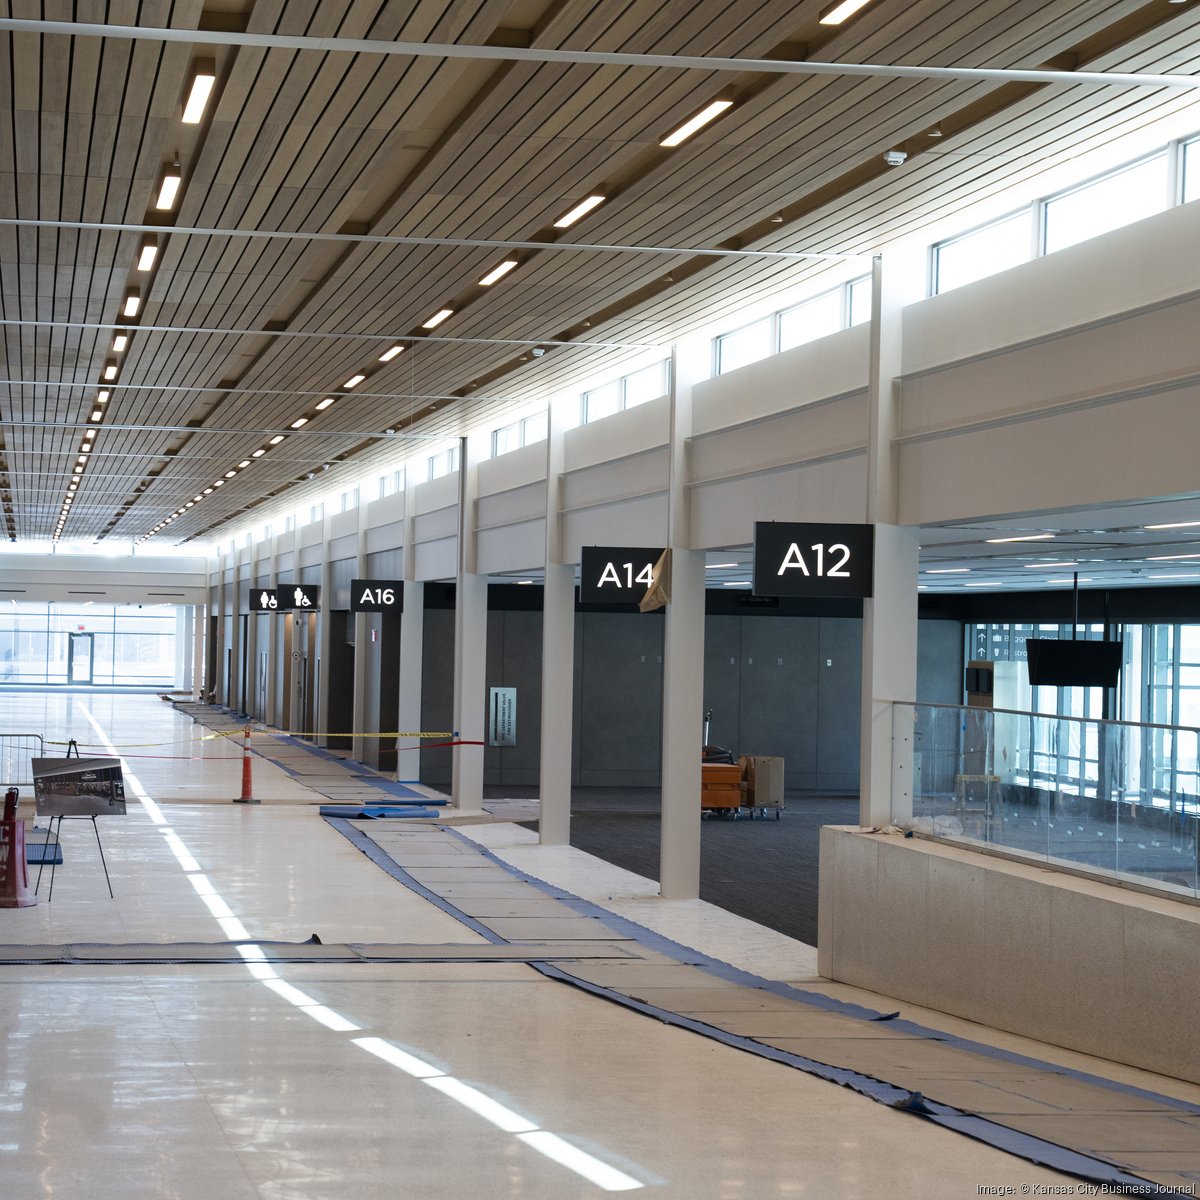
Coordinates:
<point>1113,798</point>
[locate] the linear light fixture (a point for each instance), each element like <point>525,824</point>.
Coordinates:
<point>948,571</point>
<point>1172,557</point>
<point>718,566</point>
<point>147,253</point>
<point>299,421</point>
<point>258,453</point>
<point>579,211</point>
<point>322,405</point>
<point>437,318</point>
<point>1049,566</point>
<point>1185,576</point>
<point>498,272</point>
<point>353,381</point>
<point>842,11</point>
<point>204,78</point>
<point>709,113</point>
<point>230,474</point>
<point>1027,537</point>
<point>1074,580</point>
<point>97,414</point>
<point>388,355</point>
<point>110,370</point>
<point>168,188</point>
<point>243,464</point>
<point>131,303</point>
<point>120,342</point>
<point>1174,525</point>
<point>277,439</point>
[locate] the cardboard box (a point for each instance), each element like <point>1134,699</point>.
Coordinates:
<point>764,780</point>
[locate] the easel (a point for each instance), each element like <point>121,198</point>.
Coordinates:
<point>55,832</point>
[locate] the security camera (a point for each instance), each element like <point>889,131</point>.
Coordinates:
<point>895,158</point>
<point>537,352</point>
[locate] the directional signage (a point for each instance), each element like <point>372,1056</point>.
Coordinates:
<point>264,600</point>
<point>616,574</point>
<point>376,595</point>
<point>792,559</point>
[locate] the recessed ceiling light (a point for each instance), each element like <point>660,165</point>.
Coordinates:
<point>147,253</point>
<point>709,113</point>
<point>204,78</point>
<point>168,188</point>
<point>579,211</point>
<point>89,433</point>
<point>277,439</point>
<point>230,474</point>
<point>1174,525</point>
<point>189,504</point>
<point>388,355</point>
<point>324,404</point>
<point>244,463</point>
<point>717,566</point>
<point>97,415</point>
<point>842,11</point>
<point>208,491</point>
<point>132,302</point>
<point>1025,537</point>
<point>1176,576</point>
<point>82,458</point>
<point>524,582</point>
<point>258,453</point>
<point>498,272</point>
<point>78,470</point>
<point>437,318</point>
<point>120,342</point>
<point>994,583</point>
<point>299,421</point>
<point>1172,557</point>
<point>1073,580</point>
<point>102,398</point>
<point>1045,566</point>
<point>218,483</point>
<point>110,370</point>
<point>353,381</point>
<point>742,583</point>
<point>195,498</point>
<point>948,571</point>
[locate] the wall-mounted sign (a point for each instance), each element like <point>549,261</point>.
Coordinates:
<point>264,600</point>
<point>502,717</point>
<point>298,595</point>
<point>803,559</point>
<point>616,574</point>
<point>376,595</point>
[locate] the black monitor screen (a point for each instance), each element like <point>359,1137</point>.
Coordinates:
<point>1054,663</point>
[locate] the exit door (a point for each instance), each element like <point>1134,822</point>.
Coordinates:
<point>81,657</point>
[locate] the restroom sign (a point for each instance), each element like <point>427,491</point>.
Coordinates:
<point>813,560</point>
<point>616,574</point>
<point>264,600</point>
<point>376,595</point>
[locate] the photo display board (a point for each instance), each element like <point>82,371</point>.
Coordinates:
<point>78,787</point>
<point>813,560</point>
<point>616,574</point>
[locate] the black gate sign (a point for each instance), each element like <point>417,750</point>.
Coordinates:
<point>616,574</point>
<point>376,595</point>
<point>810,559</point>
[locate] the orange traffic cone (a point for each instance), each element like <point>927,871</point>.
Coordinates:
<point>247,796</point>
<point>14,873</point>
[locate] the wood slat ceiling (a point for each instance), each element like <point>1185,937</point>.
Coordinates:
<point>248,333</point>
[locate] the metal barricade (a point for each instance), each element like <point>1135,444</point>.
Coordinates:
<point>17,750</point>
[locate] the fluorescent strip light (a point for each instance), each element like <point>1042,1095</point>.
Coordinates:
<point>355,380</point>
<point>133,301</point>
<point>299,421</point>
<point>277,439</point>
<point>437,318</point>
<point>82,458</point>
<point>702,118</point>
<point>498,272</point>
<point>388,355</point>
<point>218,483</point>
<point>717,566</point>
<point>1072,580</point>
<point>1049,566</point>
<point>120,342</point>
<point>230,474</point>
<point>243,464</point>
<point>481,1105</point>
<point>208,491</point>
<point>1172,557</point>
<point>1028,537</point>
<point>524,583</point>
<point>1187,576</point>
<point>89,433</point>
<point>948,571</point>
<point>592,1169</point>
<point>841,12</point>
<point>324,404</point>
<point>97,415</point>
<point>147,253</point>
<point>397,1057</point>
<point>204,78</point>
<point>580,210</point>
<point>168,189</point>
<point>102,398</point>
<point>110,370</point>
<point>745,583</point>
<point>258,453</point>
<point>1174,525</point>
<point>994,583</point>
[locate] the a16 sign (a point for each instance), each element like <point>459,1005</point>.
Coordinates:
<point>376,595</point>
<point>616,574</point>
<point>813,559</point>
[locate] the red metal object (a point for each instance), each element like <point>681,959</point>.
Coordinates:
<point>14,872</point>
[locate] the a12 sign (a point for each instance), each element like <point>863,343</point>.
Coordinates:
<point>616,574</point>
<point>813,559</point>
<point>376,595</point>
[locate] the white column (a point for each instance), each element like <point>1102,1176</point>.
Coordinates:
<point>558,647</point>
<point>889,671</point>
<point>470,643</point>
<point>363,749</point>
<point>236,700</point>
<point>412,633</point>
<point>683,650</point>
<point>199,634</point>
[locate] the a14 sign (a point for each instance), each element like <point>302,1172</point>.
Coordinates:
<point>616,574</point>
<point>813,559</point>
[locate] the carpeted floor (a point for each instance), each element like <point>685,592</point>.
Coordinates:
<point>764,870</point>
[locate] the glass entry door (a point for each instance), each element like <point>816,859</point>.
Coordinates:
<point>81,657</point>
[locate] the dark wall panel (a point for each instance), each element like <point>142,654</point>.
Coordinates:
<point>839,704</point>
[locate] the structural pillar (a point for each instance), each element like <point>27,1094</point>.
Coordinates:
<point>412,634</point>
<point>683,651</point>
<point>558,650</point>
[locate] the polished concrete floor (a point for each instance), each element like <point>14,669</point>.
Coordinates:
<point>323,1080</point>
